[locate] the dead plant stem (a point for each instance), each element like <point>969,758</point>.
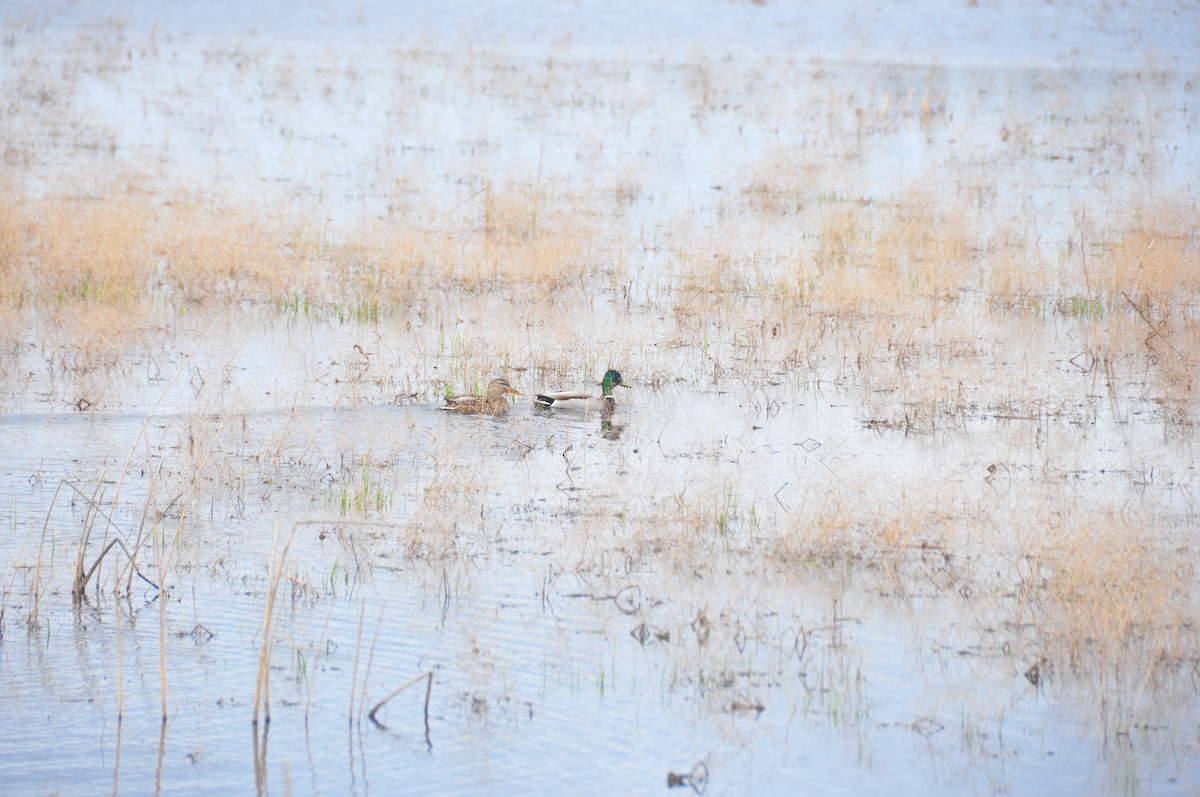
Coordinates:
<point>262,687</point>
<point>428,675</point>
<point>362,610</point>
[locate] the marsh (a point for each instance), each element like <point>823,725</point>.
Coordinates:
<point>902,496</point>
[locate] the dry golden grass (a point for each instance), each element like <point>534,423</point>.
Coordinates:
<point>841,275</point>
<point>930,248</point>
<point>889,533</point>
<point>1175,374</point>
<point>121,250</point>
<point>1015,277</point>
<point>109,261</point>
<point>386,261</point>
<point>1154,262</point>
<point>706,271</point>
<point>524,240</point>
<point>1145,271</point>
<point>99,333</point>
<point>1106,579</point>
<point>206,254</point>
<point>843,239</point>
<point>889,258</point>
<point>15,290</point>
<point>830,535</point>
<point>81,251</point>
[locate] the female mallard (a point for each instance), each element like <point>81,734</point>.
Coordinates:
<point>572,400</point>
<point>494,403</point>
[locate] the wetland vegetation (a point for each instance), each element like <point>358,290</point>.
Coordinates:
<point>903,490</point>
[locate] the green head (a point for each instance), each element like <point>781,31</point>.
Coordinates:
<point>611,380</point>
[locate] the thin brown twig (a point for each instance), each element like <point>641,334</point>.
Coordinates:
<point>428,674</point>
<point>1154,331</point>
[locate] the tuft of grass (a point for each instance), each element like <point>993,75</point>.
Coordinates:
<point>206,254</point>
<point>1083,308</point>
<point>1153,262</point>
<point>362,495</point>
<point>1106,581</point>
<point>928,251</point>
<point>890,257</point>
<point>13,288</point>
<point>83,252</point>
<point>524,240</point>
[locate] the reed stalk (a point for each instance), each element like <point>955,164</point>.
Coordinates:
<point>262,686</point>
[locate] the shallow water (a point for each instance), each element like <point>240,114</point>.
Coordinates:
<point>596,596</point>
<point>804,553</point>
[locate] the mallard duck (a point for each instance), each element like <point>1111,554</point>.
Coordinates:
<point>573,400</point>
<point>494,403</point>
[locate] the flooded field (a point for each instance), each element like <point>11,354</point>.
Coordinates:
<point>901,499</point>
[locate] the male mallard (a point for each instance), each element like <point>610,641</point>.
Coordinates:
<point>494,403</point>
<point>572,400</point>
